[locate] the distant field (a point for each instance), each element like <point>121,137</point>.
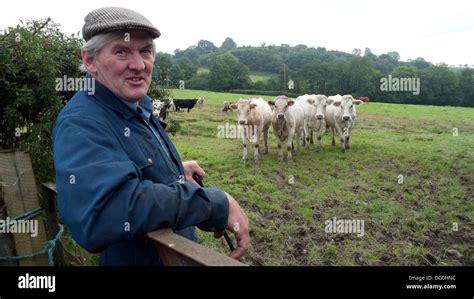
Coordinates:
<point>405,224</point>
<point>254,76</point>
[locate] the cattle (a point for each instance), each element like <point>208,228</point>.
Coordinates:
<point>332,99</point>
<point>287,123</point>
<point>341,116</point>
<point>184,103</point>
<point>161,109</point>
<point>200,101</point>
<point>254,117</point>
<point>314,107</point>
<point>227,107</point>
<point>363,99</point>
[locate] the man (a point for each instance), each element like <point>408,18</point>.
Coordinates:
<point>117,173</point>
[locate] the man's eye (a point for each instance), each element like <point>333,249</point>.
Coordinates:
<point>148,52</point>
<point>120,52</point>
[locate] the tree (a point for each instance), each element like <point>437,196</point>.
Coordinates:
<point>394,55</point>
<point>187,67</point>
<point>439,86</point>
<point>356,52</point>
<point>420,63</point>
<point>227,73</point>
<point>466,87</point>
<point>176,74</point>
<point>162,68</point>
<point>368,52</point>
<point>205,47</point>
<point>228,44</point>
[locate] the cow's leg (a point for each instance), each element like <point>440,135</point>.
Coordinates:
<point>320,133</point>
<point>333,142</point>
<point>289,145</point>
<point>257,138</point>
<point>280,151</point>
<point>305,134</point>
<point>299,140</point>
<point>311,137</point>
<point>342,138</point>
<point>265,138</point>
<point>348,136</point>
<point>245,141</point>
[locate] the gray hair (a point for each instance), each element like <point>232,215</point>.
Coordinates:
<point>97,42</point>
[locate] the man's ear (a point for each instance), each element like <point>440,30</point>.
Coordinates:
<point>253,105</point>
<point>88,61</point>
<point>291,102</point>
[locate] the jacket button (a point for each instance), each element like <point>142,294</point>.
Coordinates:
<point>150,160</point>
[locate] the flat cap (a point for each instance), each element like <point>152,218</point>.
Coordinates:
<point>107,19</point>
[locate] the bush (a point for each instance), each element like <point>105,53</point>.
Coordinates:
<point>32,57</point>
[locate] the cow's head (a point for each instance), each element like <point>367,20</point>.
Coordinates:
<point>347,107</point>
<point>244,108</point>
<point>280,107</point>
<point>320,102</point>
<point>227,106</point>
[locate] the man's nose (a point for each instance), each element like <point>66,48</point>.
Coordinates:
<point>136,62</point>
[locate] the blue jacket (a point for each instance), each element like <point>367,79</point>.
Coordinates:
<point>115,183</point>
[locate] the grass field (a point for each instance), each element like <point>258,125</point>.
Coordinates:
<point>425,220</point>
<point>254,76</point>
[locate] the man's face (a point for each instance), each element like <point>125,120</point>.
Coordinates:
<point>124,65</point>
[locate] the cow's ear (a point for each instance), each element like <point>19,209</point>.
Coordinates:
<point>357,102</point>
<point>233,106</point>
<point>311,101</point>
<point>337,103</point>
<point>271,103</point>
<point>290,103</point>
<point>253,105</point>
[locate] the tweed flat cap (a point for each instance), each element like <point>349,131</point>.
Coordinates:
<point>109,19</point>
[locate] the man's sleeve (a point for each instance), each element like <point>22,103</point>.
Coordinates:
<point>102,199</point>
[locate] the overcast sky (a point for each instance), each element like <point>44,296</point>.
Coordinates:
<point>439,31</point>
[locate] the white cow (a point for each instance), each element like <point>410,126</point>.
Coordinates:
<point>287,123</point>
<point>254,117</point>
<point>314,107</point>
<point>341,116</point>
<point>332,99</point>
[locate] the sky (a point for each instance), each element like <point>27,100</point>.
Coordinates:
<point>439,31</point>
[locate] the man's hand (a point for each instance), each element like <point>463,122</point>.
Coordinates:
<point>190,168</point>
<point>237,223</point>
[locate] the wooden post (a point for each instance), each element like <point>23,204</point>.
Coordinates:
<point>48,191</point>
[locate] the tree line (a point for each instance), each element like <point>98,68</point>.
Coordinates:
<point>314,70</point>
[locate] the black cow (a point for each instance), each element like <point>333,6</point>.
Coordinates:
<point>188,103</point>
